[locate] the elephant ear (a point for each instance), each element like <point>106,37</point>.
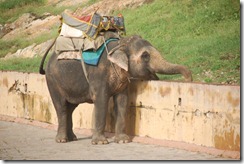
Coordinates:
<point>120,58</point>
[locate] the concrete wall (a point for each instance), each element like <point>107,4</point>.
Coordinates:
<point>202,114</point>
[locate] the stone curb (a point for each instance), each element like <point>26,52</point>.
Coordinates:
<point>144,140</point>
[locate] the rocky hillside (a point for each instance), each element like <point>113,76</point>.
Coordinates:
<point>31,26</point>
<point>203,35</point>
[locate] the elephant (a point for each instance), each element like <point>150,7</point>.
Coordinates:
<point>129,58</point>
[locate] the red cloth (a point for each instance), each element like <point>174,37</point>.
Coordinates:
<point>84,18</point>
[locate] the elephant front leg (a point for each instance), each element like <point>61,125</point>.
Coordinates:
<point>120,106</point>
<point>100,111</point>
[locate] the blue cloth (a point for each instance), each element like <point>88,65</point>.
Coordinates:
<point>92,57</point>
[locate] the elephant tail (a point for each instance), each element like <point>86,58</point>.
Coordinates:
<point>41,70</point>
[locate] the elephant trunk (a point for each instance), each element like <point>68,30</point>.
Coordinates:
<point>161,66</point>
<point>171,69</point>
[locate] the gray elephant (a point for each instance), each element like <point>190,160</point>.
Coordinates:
<point>128,58</point>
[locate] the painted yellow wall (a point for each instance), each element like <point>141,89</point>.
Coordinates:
<point>202,114</point>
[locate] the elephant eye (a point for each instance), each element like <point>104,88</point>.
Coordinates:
<point>145,56</point>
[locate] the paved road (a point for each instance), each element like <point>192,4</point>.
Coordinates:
<point>26,142</point>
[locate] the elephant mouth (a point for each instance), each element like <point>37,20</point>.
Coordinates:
<point>149,75</point>
<point>153,75</point>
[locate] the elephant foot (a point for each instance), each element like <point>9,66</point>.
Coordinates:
<point>64,140</point>
<point>99,140</point>
<point>122,138</point>
<point>72,137</point>
<point>61,139</point>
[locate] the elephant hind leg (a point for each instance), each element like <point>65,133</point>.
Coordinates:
<point>65,128</point>
<point>64,111</point>
<point>70,133</point>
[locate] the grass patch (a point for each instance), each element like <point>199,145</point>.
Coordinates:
<point>21,64</point>
<point>11,9</point>
<point>204,35</point>
<point>11,4</point>
<point>30,65</point>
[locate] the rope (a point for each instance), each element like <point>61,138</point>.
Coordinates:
<point>84,68</point>
<point>109,53</point>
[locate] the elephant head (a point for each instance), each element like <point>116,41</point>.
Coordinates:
<point>142,60</point>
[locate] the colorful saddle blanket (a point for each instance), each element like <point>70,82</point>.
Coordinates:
<point>90,57</point>
<point>75,25</point>
<point>93,57</point>
<point>75,44</point>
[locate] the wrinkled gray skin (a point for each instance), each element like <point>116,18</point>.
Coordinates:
<point>68,86</point>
